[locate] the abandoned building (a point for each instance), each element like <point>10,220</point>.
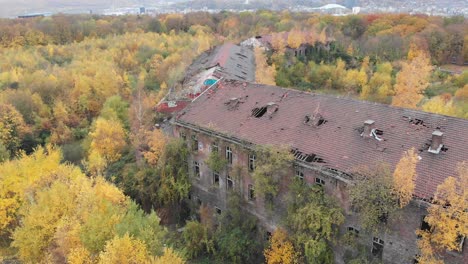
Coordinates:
<point>329,136</point>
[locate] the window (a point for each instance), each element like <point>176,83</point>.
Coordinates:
<point>229,155</point>
<point>251,162</point>
<point>215,178</point>
<point>377,247</point>
<point>197,199</point>
<point>299,174</point>
<point>196,169</point>
<point>214,147</point>
<point>319,181</point>
<point>183,136</point>
<point>194,143</point>
<point>229,182</point>
<point>268,235</point>
<point>251,192</point>
<point>353,231</point>
<point>218,210</point>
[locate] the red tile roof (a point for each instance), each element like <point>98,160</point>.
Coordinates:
<point>228,109</point>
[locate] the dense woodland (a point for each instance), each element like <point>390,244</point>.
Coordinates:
<point>86,178</point>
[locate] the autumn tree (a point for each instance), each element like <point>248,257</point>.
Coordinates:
<point>295,39</point>
<point>124,250</point>
<point>278,42</point>
<point>12,127</point>
<point>264,73</point>
<point>404,176</point>
<point>156,142</point>
<point>411,82</point>
<point>281,249</point>
<point>447,216</point>
<point>372,196</point>
<point>169,256</point>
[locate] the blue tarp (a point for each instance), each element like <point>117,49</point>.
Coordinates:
<point>209,81</point>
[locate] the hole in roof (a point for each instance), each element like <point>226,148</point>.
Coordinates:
<point>259,112</point>
<point>315,120</point>
<point>379,132</point>
<point>240,77</point>
<point>444,149</point>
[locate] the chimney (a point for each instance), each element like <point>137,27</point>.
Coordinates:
<point>436,144</point>
<point>368,126</point>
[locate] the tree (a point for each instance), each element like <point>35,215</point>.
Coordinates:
<point>312,217</point>
<point>372,195</point>
<point>12,127</point>
<point>124,250</point>
<point>264,73</point>
<point>411,82</point>
<point>281,249</point>
<point>404,176</point>
<point>272,165</point>
<point>156,142</point>
<point>295,39</point>
<point>169,256</point>
<point>174,182</point>
<point>196,239</point>
<point>108,139</point>
<point>447,216</point>
<point>278,42</point>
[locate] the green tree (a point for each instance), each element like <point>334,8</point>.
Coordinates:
<point>312,217</point>
<point>372,195</point>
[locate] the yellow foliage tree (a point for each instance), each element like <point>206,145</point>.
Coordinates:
<point>411,81</point>
<point>264,73</point>
<point>156,143</point>
<point>278,42</point>
<point>281,249</point>
<point>447,216</point>
<point>12,127</point>
<point>169,256</point>
<point>124,250</point>
<point>108,139</point>
<point>295,39</point>
<point>439,105</point>
<point>405,175</point>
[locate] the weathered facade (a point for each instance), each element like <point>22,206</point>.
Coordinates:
<point>329,136</point>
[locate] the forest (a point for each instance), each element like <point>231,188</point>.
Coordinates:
<point>83,168</point>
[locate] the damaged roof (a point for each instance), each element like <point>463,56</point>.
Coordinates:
<point>328,129</point>
<point>231,61</point>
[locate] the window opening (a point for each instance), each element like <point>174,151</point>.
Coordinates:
<point>268,235</point>
<point>183,136</point>
<point>229,155</point>
<point>215,178</point>
<point>196,169</point>
<point>218,210</point>
<point>377,247</point>
<point>319,181</point>
<point>230,182</point>
<point>425,225</point>
<point>259,112</point>
<point>251,192</point>
<point>214,147</point>
<point>353,231</point>
<point>299,174</point>
<point>194,143</point>
<point>252,162</point>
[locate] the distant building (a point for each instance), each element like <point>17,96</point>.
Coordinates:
<point>33,15</point>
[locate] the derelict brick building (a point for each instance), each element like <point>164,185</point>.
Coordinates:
<point>329,136</point>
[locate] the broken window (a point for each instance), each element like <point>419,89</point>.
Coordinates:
<point>229,155</point>
<point>251,162</point>
<point>216,178</point>
<point>194,143</point>
<point>218,210</point>
<point>251,192</point>
<point>183,136</point>
<point>214,147</point>
<point>319,181</point>
<point>196,169</point>
<point>229,183</point>
<point>299,174</point>
<point>268,235</point>
<point>353,231</point>
<point>259,112</point>
<point>377,247</point>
